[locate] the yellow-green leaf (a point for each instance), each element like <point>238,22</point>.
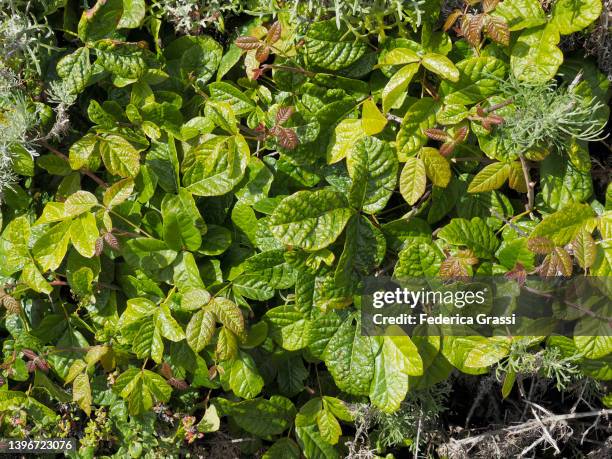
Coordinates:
<point>413,180</point>
<point>395,90</point>
<point>372,120</point>
<point>84,233</point>
<point>491,177</point>
<point>437,167</point>
<point>441,65</point>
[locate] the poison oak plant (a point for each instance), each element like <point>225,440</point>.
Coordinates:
<point>181,264</point>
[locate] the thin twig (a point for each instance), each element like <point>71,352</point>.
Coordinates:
<point>530,184</point>
<point>394,118</point>
<point>86,172</point>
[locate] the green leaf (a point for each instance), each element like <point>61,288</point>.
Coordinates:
<point>474,234</point>
<point>437,167</point>
<point>222,115</point>
<point>78,203</point>
<point>411,136</point>
<point>81,393</point>
<point>75,69</point>
<point>84,233</point>
<point>285,448</point>
<point>219,164</point>
<point>51,247</point>
<point>313,445</point>
<point>395,90</point>
<point>441,65</point>
<point>119,156</point>
<point>14,245</point>
<point>200,59</point>
<point>84,152</point>
<point>397,359</point>
<point>473,354</point>
<point>346,133</point>
<point>562,183</point>
<point>260,417</point>
<point>364,249</point>
<point>244,379</point>
<point>169,327</point>
<point>338,408</point>
<point>141,388</point>
<point>210,422</point>
<point>228,314</point>
<point>478,78</point>
<point>331,47</point>
<point>227,345</point>
<point>521,14</point>
<point>398,56</point>
<point>417,259</point>
<point>310,219</point>
<point>148,254</point>
<point>593,347</point>
<point>182,222</point>
<point>289,327</point>
<point>413,180</point>
<point>118,192</point>
<point>126,61</point>
<point>372,120</point>
<point>350,358</point>
<point>372,166</point>
<point>535,56</point>
<point>101,20</point>
<point>239,102</point>
<point>570,16</point>
<point>133,14</point>
<point>491,177</point>
<point>584,248</point>
<point>328,427</point>
<point>562,226</point>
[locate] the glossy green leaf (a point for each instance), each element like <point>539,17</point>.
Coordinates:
<point>310,219</point>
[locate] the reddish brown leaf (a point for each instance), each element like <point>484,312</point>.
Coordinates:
<point>99,246</point>
<point>29,354</point>
<point>436,134</point>
<point>471,27</point>
<point>283,114</point>
<point>556,263</point>
<point>179,384</point>
<point>540,244</point>
<point>447,148</point>
<point>287,138</point>
<point>497,29</point>
<point>451,19</point>
<point>518,273</point>
<point>166,371</point>
<point>262,53</point>
<point>257,73</point>
<point>461,134</point>
<point>489,5</point>
<point>246,42</point>
<point>11,304</point>
<point>495,119</point>
<point>111,240</point>
<point>467,257</point>
<point>42,365</point>
<point>274,33</point>
<point>452,268</point>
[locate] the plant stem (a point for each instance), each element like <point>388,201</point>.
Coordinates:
<point>530,184</point>
<point>86,172</point>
